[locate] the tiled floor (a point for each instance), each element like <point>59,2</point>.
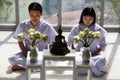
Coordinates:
<point>8,46</point>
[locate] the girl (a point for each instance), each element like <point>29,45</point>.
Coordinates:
<point>97,48</point>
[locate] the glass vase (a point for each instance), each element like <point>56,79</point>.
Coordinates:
<point>33,55</point>
<point>85,55</point>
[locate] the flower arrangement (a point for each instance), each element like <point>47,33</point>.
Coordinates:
<point>86,37</point>
<point>34,36</point>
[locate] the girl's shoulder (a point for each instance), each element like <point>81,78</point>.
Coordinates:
<point>100,28</point>
<point>75,27</point>
<point>78,26</point>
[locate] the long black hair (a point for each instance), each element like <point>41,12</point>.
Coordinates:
<point>88,11</point>
<point>35,6</point>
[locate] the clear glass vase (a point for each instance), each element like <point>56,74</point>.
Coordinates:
<point>86,55</point>
<point>33,55</point>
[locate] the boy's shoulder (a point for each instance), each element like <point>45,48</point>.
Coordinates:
<point>42,21</point>
<point>24,22</point>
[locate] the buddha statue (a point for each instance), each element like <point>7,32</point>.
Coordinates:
<point>59,46</point>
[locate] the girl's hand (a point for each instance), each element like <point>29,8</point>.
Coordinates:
<point>97,52</point>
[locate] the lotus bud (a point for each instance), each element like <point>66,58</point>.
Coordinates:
<point>37,34</point>
<point>86,31</point>
<point>31,31</point>
<point>91,34</point>
<point>81,34</point>
<point>76,39</point>
<point>97,35</point>
<point>44,37</point>
<point>32,37</point>
<point>20,36</point>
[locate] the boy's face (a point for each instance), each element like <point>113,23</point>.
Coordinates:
<point>88,20</point>
<point>35,17</point>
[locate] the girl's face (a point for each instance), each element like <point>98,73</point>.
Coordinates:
<point>35,17</point>
<point>88,20</point>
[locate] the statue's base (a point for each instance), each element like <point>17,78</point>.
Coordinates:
<point>59,49</point>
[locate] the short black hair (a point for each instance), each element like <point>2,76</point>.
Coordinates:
<point>88,11</point>
<point>35,6</point>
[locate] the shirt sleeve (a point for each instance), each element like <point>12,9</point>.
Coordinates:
<point>49,31</point>
<point>74,31</point>
<point>51,35</point>
<point>103,42</point>
<point>17,31</point>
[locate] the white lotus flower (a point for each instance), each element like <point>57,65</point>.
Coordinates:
<point>34,36</point>
<point>86,37</point>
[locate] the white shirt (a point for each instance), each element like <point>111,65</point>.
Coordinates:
<point>43,27</point>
